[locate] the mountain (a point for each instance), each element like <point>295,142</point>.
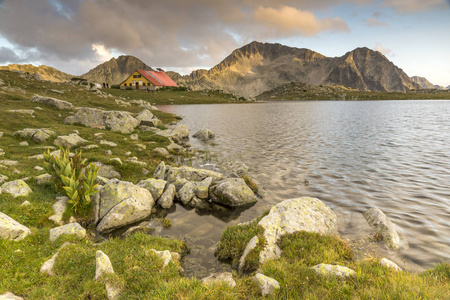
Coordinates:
<point>115,70</point>
<point>423,82</point>
<point>44,72</point>
<point>258,67</point>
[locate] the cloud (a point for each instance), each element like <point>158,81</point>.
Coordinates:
<point>289,20</point>
<point>387,52</point>
<point>371,22</point>
<point>412,6</point>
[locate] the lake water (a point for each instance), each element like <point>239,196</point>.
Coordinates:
<point>352,155</point>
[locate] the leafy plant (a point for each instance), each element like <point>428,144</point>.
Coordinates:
<point>72,176</point>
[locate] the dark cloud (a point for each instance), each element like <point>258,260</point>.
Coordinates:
<point>168,33</point>
<point>7,55</point>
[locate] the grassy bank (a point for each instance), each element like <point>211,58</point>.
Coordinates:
<point>302,91</point>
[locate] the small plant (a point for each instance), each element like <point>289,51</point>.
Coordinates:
<point>72,176</point>
<point>166,223</point>
<point>250,183</point>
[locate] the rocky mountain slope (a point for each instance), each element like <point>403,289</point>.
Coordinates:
<point>258,67</point>
<point>423,82</point>
<point>44,72</point>
<point>115,70</point>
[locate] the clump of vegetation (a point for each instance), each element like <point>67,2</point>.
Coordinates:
<point>250,183</point>
<point>72,176</point>
<point>166,223</point>
<point>115,86</point>
<point>77,79</point>
<point>234,239</point>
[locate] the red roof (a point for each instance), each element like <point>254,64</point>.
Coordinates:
<point>158,78</point>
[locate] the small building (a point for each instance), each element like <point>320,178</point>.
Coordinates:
<point>143,80</point>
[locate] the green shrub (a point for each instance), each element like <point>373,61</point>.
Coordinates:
<point>72,177</point>
<point>115,86</point>
<point>128,88</point>
<point>84,83</point>
<point>91,84</point>
<point>77,79</point>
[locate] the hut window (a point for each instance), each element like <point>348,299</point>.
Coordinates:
<point>124,84</point>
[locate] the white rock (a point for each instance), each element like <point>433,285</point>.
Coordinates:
<point>220,278</point>
<point>267,284</point>
<point>73,229</point>
<point>25,203</point>
<point>334,270</point>
<point>108,143</point>
<point>10,296</point>
<point>102,264</point>
<point>382,226</point>
<point>10,229</point>
<point>16,188</point>
<point>250,246</point>
<point>165,255</point>
<point>59,207</point>
<point>390,264</point>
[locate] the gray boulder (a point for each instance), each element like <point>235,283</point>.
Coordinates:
<point>107,171</point>
<point>175,148</point>
<point>162,151</point>
<point>166,199</point>
<point>232,192</point>
<point>293,215</point>
<point>16,188</point>
<point>43,179</point>
<point>73,229</point>
<point>219,278</point>
<point>192,174</point>
<point>60,104</point>
<point>145,117</point>
<point>160,171</point>
<point>10,229</point>
<point>59,207</point>
<point>179,132</point>
<point>102,265</point>
<point>383,226</point>
<point>204,135</point>
<point>39,135</point>
<point>266,284</point>
<point>118,121</point>
<point>187,192</point>
<point>155,186</point>
<point>165,255</point>
<point>202,188</point>
<point>121,203</point>
<point>333,270</point>
<point>199,203</point>
<point>71,140</point>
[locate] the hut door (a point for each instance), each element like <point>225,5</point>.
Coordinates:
<point>137,85</point>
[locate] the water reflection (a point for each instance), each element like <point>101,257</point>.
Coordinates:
<point>352,155</point>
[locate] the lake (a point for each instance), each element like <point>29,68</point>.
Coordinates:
<point>352,155</point>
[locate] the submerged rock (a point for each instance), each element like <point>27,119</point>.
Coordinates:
<point>10,229</point>
<point>232,192</point>
<point>382,226</point>
<point>204,135</point>
<point>299,214</point>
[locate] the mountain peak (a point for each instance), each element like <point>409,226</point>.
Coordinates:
<point>116,70</point>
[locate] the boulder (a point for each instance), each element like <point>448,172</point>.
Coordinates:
<point>220,278</point>
<point>162,151</point>
<point>102,265</point>
<point>73,229</point>
<point>8,162</point>
<point>108,143</point>
<point>179,183</point>
<point>179,132</point>
<point>390,264</point>
<point>175,148</point>
<point>204,135</point>
<point>165,255</point>
<point>43,179</point>
<point>16,188</point>
<point>47,266</point>
<point>333,270</point>
<point>266,284</point>
<point>39,135</point>
<point>107,171</point>
<point>71,140</point>
<point>187,192</point>
<point>166,199</point>
<point>154,186</point>
<point>24,144</point>
<point>160,171</point>
<point>11,229</point>
<point>192,174</point>
<point>59,207</point>
<point>199,203</point>
<point>202,188</point>
<point>10,296</point>
<point>250,246</point>
<point>121,203</point>
<point>118,121</point>
<point>299,214</point>
<point>232,192</point>
<point>383,226</point>
<point>59,104</point>
<point>145,117</point>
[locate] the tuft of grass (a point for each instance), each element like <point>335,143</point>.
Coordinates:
<point>166,223</point>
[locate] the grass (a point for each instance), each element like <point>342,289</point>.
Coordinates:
<point>250,183</point>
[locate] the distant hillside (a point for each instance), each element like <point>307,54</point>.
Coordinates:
<point>44,72</point>
<point>423,82</point>
<point>115,70</point>
<point>258,67</point>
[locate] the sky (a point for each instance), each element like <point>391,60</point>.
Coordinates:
<point>74,36</point>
